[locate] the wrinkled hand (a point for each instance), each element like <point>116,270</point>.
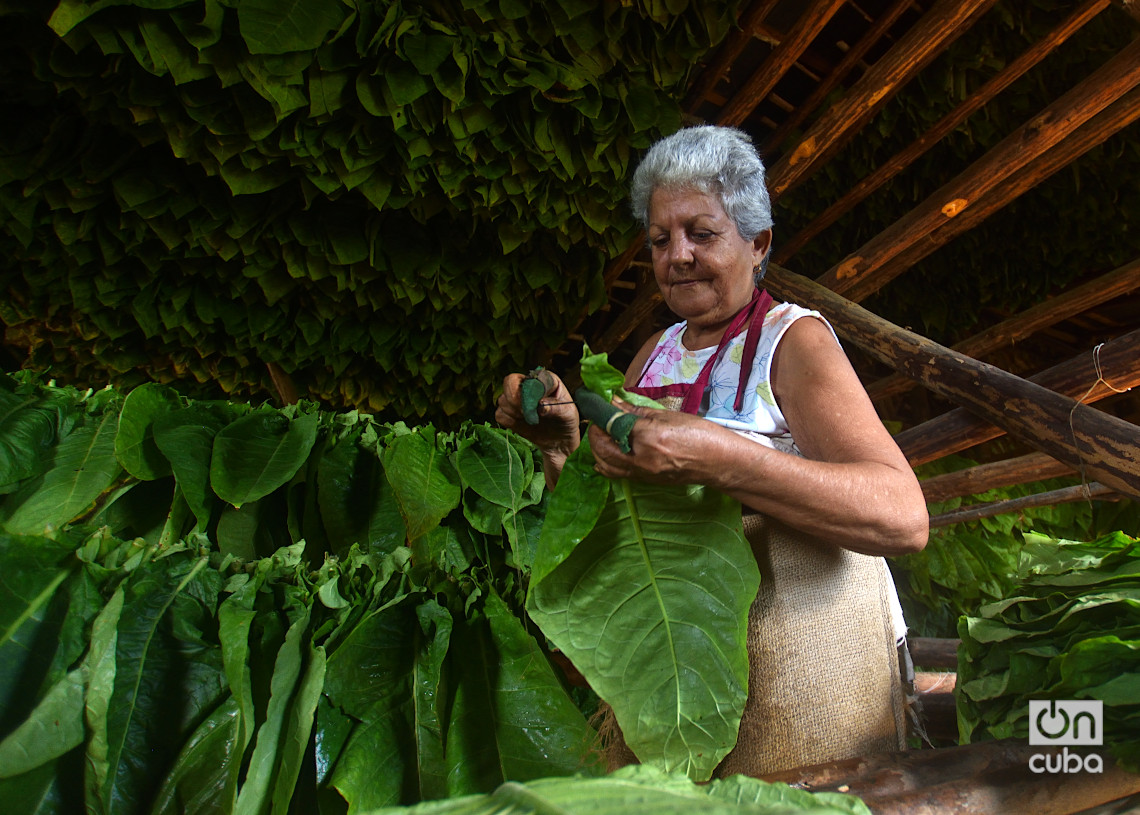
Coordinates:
<point>557,430</point>
<point>668,447</point>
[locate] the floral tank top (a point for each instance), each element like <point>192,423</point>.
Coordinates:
<point>759,417</point>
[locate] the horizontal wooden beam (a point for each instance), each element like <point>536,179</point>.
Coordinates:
<point>1078,378</point>
<point>1103,447</point>
<point>1116,283</point>
<point>865,270</point>
<point>1064,495</point>
<point>993,475</point>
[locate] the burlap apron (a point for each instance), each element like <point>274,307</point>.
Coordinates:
<point>824,678</point>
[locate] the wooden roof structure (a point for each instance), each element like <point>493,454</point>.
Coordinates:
<point>803,79</point>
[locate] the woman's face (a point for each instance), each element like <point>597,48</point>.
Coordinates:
<point>703,267</point>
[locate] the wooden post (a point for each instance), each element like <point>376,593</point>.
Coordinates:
<point>1103,447</point>
<point>863,272</point>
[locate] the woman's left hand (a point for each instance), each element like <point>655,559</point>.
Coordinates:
<point>668,447</point>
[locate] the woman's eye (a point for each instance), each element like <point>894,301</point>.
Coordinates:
<point>703,235</point>
<point>660,241</point>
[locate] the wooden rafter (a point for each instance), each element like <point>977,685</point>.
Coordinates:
<point>996,474</point>
<point>941,25</point>
<point>1102,447</point>
<point>866,270</point>
<point>1106,124</point>
<point>783,57</point>
<point>850,60</point>
<point>1121,281</point>
<point>1078,378</point>
<point>734,45</point>
<point>900,161</point>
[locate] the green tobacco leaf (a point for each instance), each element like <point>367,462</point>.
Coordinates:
<point>255,795</point>
<point>259,453</point>
<point>198,780</point>
<point>652,608</point>
<point>511,718</point>
<point>493,468</point>
<point>186,439</point>
<point>84,465</point>
<point>298,729</point>
<point>280,26</point>
<point>54,728</point>
<point>31,573</point>
<point>425,482</point>
<point>27,433</point>
<point>369,678</point>
<point>135,446</point>
<point>164,678</point>
<point>636,790</point>
<point>357,504</point>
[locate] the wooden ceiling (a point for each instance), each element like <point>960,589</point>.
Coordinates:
<point>804,78</point>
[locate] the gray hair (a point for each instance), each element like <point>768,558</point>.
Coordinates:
<point>720,161</point>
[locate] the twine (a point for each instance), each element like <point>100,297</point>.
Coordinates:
<point>1072,429</point>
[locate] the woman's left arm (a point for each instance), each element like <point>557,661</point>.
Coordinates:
<point>852,486</point>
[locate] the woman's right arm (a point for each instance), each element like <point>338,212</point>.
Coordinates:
<point>557,433</point>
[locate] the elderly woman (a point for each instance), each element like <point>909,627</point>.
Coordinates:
<point>767,409</point>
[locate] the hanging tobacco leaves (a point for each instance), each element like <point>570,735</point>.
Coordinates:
<point>381,199</point>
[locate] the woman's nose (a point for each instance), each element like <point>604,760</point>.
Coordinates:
<point>680,250</point>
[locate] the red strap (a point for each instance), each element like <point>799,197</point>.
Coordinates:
<point>751,316</point>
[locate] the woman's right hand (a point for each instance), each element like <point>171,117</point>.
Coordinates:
<point>557,433</point>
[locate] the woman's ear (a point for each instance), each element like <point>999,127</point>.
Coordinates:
<point>760,246</point>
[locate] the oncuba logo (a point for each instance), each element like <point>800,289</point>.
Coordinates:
<point>1056,723</point>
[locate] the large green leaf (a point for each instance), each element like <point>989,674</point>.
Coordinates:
<point>27,432</point>
<point>424,480</point>
<point>82,467</point>
<point>357,504</point>
<point>135,445</point>
<point>640,789</point>
<point>165,679</point>
<point>511,718</point>
<point>258,453</point>
<point>198,780</point>
<point>186,438</point>
<point>652,607</point>
<point>279,26</point>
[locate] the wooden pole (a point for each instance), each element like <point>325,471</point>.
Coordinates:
<point>941,25</point>
<point>1103,447</point>
<point>783,57</point>
<point>1077,378</point>
<point>1122,281</point>
<point>1065,495</point>
<point>900,161</point>
<point>864,272</point>
<point>984,477</point>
